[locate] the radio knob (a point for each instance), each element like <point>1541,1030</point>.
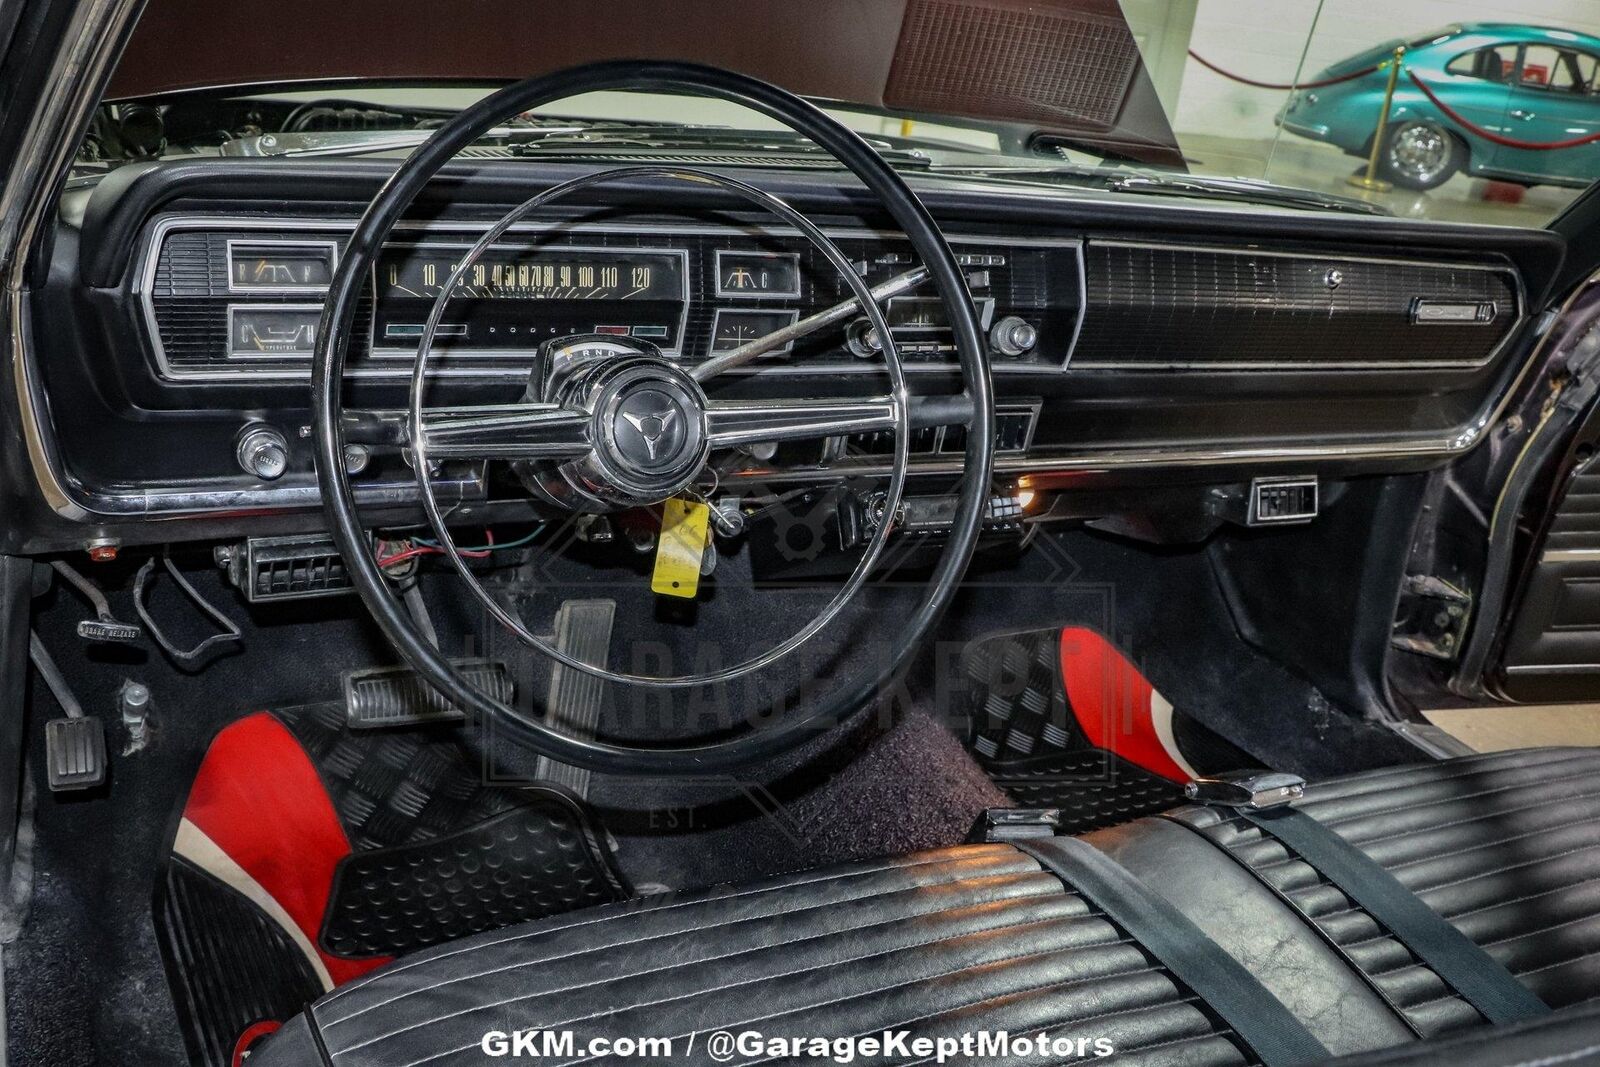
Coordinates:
<point>263,452</point>
<point>1012,336</point>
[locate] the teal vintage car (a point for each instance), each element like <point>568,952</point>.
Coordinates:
<point>1528,83</point>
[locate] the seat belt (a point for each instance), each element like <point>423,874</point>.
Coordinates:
<point>1259,1019</point>
<point>1474,974</point>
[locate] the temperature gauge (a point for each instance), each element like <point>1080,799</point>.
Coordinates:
<point>758,274</point>
<point>736,326</point>
<point>272,329</point>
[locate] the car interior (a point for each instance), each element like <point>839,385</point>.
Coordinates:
<point>745,532</point>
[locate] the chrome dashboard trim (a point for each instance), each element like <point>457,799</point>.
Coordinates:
<point>150,246</point>
<point>78,76</point>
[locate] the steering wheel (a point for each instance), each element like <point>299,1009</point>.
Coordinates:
<point>611,423</point>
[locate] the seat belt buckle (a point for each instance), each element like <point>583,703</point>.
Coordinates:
<point>1256,790</point>
<point>1014,824</point>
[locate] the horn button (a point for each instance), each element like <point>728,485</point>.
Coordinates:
<point>648,433</point>
<point>652,427</point>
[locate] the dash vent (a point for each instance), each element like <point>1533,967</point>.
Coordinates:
<point>288,568</point>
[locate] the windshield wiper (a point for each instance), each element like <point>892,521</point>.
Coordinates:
<point>359,142</point>
<point>566,138</point>
<point>1157,183</point>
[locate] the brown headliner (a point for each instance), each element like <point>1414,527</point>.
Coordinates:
<point>833,49</point>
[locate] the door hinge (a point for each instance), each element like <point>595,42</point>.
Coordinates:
<point>1432,617</point>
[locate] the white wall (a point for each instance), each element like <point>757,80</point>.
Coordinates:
<point>1263,39</point>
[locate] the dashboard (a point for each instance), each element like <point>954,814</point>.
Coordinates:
<point>1131,340</point>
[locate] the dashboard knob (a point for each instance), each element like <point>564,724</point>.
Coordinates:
<point>862,339</point>
<point>263,452</point>
<point>1012,336</point>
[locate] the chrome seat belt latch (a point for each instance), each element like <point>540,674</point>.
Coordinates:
<point>1247,789</point>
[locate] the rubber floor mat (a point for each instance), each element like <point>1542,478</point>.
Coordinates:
<point>533,860</point>
<point>1061,719</point>
<point>307,855</point>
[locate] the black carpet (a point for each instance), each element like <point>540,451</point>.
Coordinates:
<point>84,982</point>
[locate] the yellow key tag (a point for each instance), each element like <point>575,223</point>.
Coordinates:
<point>680,548</point>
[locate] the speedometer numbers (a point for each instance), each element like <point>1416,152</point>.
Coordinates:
<point>553,274</point>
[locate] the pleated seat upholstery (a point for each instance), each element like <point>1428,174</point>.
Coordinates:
<point>934,943</point>
<point>981,937</point>
<point>1506,846</point>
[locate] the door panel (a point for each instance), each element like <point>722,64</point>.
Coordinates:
<point>1553,648</point>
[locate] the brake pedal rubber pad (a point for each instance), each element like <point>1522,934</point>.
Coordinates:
<point>75,753</point>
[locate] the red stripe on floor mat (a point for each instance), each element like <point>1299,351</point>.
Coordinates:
<point>1112,702</point>
<point>260,799</point>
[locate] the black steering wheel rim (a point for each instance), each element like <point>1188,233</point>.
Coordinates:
<point>333,338</point>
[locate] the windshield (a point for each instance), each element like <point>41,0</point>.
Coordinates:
<point>1424,108</point>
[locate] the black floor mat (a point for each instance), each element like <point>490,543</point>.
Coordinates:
<point>1026,737</point>
<point>229,965</point>
<point>535,859</point>
<point>434,854</point>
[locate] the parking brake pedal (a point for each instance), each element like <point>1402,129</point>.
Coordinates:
<point>582,631</point>
<point>74,746</point>
<point>104,626</point>
<point>379,697</point>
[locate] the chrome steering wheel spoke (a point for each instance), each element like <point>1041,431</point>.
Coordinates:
<point>525,430</point>
<point>742,422</point>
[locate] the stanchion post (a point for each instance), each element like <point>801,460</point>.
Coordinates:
<point>1370,180</point>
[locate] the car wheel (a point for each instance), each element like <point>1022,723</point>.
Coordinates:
<point>1420,155</point>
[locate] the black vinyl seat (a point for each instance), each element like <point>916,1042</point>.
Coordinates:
<point>984,937</point>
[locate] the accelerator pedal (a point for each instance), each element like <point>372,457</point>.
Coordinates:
<point>582,631</point>
<point>380,697</point>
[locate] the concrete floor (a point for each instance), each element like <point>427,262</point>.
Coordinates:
<point>1500,728</point>
<point>1305,164</point>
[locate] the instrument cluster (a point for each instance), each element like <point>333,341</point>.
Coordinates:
<point>242,298</point>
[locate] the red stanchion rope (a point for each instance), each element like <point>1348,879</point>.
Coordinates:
<point>1352,76</point>
<point>1489,135</point>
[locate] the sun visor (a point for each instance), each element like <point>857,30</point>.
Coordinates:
<point>1071,68</point>
<point>1068,68</point>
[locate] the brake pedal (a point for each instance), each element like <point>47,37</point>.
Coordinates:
<point>583,632</point>
<point>75,754</point>
<point>74,746</point>
<point>380,697</point>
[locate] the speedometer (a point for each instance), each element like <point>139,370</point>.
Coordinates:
<point>519,294</point>
<point>534,274</point>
